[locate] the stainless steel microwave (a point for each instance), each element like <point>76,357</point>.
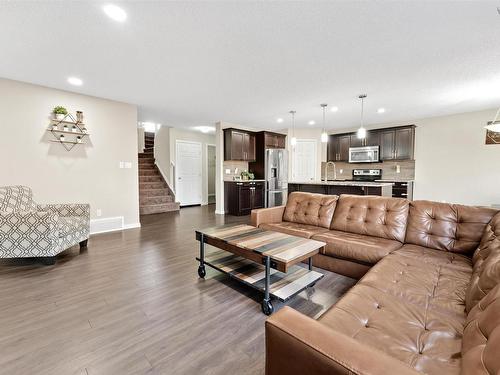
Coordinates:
<point>368,154</point>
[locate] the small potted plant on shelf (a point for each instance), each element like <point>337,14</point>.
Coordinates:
<point>60,112</point>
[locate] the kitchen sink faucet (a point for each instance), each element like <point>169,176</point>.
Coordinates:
<point>327,165</point>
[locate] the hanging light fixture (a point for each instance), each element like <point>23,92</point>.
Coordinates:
<point>494,125</point>
<point>293,140</point>
<point>361,133</point>
<point>324,136</point>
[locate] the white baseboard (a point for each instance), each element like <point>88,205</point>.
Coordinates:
<point>220,213</point>
<point>110,224</point>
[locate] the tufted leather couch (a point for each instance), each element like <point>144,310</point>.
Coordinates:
<point>427,302</point>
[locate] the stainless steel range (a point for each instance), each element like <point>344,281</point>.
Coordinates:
<point>366,174</point>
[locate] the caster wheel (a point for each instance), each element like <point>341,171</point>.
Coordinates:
<point>201,271</point>
<point>267,307</point>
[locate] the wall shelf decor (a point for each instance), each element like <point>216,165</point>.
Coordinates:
<point>78,134</point>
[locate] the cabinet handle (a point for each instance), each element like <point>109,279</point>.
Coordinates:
<point>404,184</point>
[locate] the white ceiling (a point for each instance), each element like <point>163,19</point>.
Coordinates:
<point>195,63</point>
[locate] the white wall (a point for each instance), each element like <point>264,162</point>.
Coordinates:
<point>453,163</point>
<point>171,136</point>
<point>89,173</point>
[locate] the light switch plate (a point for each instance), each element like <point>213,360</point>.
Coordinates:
<point>228,171</point>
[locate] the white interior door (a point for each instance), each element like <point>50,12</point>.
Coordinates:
<point>189,179</point>
<point>304,160</point>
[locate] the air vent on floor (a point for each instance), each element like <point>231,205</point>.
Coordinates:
<point>107,224</point>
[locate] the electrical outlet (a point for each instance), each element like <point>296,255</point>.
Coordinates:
<point>341,171</point>
<point>98,212</point>
<point>398,168</point>
<point>127,164</point>
<point>228,171</point>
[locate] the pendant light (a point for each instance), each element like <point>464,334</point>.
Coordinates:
<point>494,125</point>
<point>293,140</point>
<point>324,136</point>
<point>361,133</point>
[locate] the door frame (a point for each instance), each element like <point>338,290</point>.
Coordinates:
<point>207,145</point>
<point>177,141</point>
<point>292,161</point>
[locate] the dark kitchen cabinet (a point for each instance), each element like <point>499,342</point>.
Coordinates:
<point>372,138</point>
<point>239,145</point>
<point>274,140</point>
<point>242,197</point>
<point>397,143</point>
<point>356,142</point>
<point>338,147</point>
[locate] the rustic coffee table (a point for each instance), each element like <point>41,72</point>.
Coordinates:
<point>262,259</point>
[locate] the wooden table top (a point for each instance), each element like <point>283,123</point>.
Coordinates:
<point>280,247</point>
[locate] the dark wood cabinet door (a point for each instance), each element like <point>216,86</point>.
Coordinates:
<point>404,143</point>
<point>244,198</point>
<point>372,138</point>
<point>270,140</point>
<point>332,148</point>
<point>251,148</point>
<point>343,150</point>
<point>257,196</point>
<point>355,141</point>
<point>387,144</point>
<point>281,141</point>
<point>237,144</point>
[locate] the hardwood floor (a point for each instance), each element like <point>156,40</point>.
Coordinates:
<point>133,304</point>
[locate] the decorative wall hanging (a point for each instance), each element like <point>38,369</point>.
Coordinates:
<point>67,130</point>
<point>493,131</point>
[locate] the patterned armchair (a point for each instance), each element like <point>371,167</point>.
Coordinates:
<point>28,229</point>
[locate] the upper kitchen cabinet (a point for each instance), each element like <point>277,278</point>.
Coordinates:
<point>397,143</point>
<point>338,147</point>
<point>239,145</point>
<point>274,140</point>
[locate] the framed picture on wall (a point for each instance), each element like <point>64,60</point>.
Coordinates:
<point>492,138</point>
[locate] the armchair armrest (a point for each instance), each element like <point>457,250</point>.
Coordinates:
<point>297,344</point>
<point>267,215</point>
<point>27,233</point>
<point>66,209</point>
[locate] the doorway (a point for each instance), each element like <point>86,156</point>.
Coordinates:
<point>211,173</point>
<point>304,160</point>
<point>189,173</point>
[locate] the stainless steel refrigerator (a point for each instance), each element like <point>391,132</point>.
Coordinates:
<point>276,175</point>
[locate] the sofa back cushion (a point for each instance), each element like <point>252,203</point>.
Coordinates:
<point>481,337</point>
<point>16,198</point>
<point>373,216</point>
<point>486,265</point>
<point>448,227</point>
<point>312,209</point>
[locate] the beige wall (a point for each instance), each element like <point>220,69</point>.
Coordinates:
<point>452,163</point>
<point>165,153</point>
<point>89,173</point>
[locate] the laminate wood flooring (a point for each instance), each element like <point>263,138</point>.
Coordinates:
<point>133,304</point>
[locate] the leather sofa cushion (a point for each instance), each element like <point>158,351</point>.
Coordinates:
<point>295,229</point>
<point>430,286</point>
<point>372,216</point>
<point>481,337</point>
<point>357,247</point>
<point>425,339</point>
<point>444,226</point>
<point>441,258</point>
<point>310,209</point>
<point>486,271</point>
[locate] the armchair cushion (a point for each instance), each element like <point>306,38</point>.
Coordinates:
<point>16,198</point>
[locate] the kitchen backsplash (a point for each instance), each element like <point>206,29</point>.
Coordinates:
<point>389,169</point>
<point>235,168</point>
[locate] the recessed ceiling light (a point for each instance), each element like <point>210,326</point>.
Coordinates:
<point>205,129</point>
<point>115,12</point>
<point>279,120</point>
<point>312,122</point>
<point>75,81</point>
<point>381,110</point>
<point>334,109</point>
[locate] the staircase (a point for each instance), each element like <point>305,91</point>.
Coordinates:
<point>154,194</point>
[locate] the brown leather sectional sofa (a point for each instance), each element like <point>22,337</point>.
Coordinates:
<point>428,298</point>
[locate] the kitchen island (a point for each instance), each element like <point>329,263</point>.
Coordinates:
<point>338,187</point>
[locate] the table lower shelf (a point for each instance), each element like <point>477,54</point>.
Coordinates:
<point>283,286</point>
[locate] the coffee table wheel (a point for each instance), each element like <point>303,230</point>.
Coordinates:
<point>201,271</point>
<point>267,307</point>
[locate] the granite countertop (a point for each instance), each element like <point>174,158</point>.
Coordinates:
<point>395,180</point>
<point>343,183</point>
